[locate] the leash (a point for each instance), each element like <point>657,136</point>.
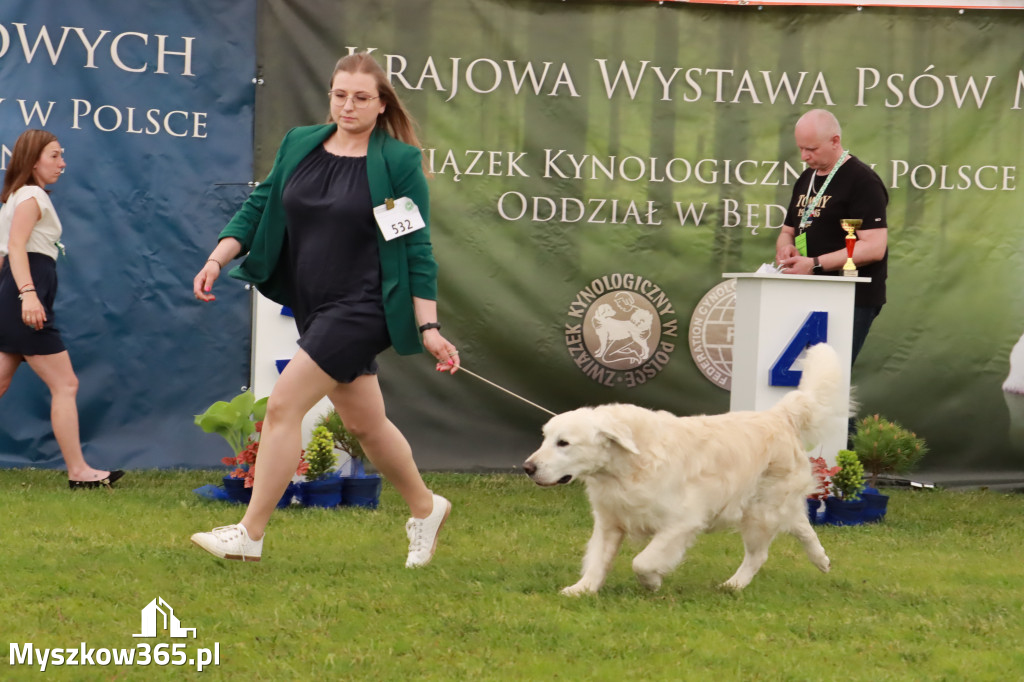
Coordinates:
<point>462,368</point>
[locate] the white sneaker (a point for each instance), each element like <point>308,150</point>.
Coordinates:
<point>423,533</point>
<point>230,542</point>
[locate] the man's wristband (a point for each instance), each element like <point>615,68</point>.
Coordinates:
<point>817,266</point>
<point>430,325</point>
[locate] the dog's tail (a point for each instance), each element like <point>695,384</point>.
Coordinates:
<point>820,397</point>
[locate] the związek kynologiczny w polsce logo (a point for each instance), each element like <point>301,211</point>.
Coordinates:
<point>157,617</point>
<point>621,330</point>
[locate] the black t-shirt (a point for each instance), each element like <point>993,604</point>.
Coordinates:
<point>855,191</point>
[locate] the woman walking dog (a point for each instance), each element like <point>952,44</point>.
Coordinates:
<point>313,243</point>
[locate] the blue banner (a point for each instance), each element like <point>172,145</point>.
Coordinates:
<point>153,103</point>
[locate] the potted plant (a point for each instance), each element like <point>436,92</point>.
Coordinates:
<point>358,488</point>
<point>240,421</point>
<point>822,473</point>
<point>846,507</point>
<point>234,420</point>
<point>322,487</point>
<point>884,447</point>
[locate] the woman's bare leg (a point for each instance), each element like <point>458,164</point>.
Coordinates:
<point>301,385</point>
<point>9,363</point>
<point>59,376</point>
<point>360,405</point>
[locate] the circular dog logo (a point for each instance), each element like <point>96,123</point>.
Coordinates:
<point>621,330</point>
<point>711,331</point>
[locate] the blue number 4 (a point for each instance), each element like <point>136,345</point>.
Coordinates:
<point>814,330</point>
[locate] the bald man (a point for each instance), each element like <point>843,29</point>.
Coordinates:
<point>835,186</point>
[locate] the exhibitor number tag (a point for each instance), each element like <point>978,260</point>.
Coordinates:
<point>398,218</point>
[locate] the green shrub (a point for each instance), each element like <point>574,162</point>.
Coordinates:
<point>849,480</point>
<point>342,438</point>
<point>885,447</point>
<point>320,454</point>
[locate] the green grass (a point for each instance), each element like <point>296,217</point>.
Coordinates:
<point>936,592</point>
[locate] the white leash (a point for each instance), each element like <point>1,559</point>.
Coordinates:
<point>462,368</point>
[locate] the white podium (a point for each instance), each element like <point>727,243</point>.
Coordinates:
<point>775,316</point>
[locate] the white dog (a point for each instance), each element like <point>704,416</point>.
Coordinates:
<point>653,474</point>
<point>610,329</point>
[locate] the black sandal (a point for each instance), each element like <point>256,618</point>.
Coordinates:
<point>108,481</point>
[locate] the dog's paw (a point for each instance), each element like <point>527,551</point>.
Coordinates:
<point>578,589</point>
<point>732,585</point>
<point>824,565</point>
<point>652,581</point>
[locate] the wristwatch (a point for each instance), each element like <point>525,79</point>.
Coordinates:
<point>817,266</point>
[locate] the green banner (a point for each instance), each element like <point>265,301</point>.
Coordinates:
<point>598,166</point>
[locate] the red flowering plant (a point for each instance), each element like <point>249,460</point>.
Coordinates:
<point>245,461</point>
<point>240,422</point>
<point>823,474</point>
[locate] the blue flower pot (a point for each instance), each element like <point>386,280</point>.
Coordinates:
<point>361,491</point>
<point>814,511</point>
<point>839,512</point>
<point>875,505</point>
<point>323,492</point>
<point>236,490</point>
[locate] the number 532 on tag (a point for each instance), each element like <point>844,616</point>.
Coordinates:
<point>399,220</point>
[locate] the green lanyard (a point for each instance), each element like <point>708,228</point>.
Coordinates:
<point>806,217</point>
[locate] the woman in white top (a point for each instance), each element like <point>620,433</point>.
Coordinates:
<point>29,244</point>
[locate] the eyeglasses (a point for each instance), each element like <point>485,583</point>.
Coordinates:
<point>359,100</point>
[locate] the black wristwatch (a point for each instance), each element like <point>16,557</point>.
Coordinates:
<point>817,266</point>
<point>430,325</point>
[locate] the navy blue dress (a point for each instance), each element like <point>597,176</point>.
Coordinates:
<point>334,264</point>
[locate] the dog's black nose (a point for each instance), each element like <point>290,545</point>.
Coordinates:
<point>530,468</point>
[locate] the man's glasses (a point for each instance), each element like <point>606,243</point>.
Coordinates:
<point>359,101</point>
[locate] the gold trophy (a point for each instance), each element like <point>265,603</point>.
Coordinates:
<point>850,225</point>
